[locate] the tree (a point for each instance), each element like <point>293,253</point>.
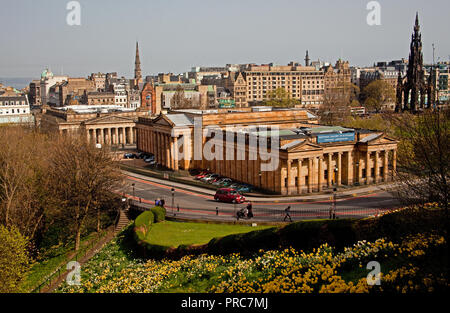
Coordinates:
<point>337,103</point>
<point>14,259</point>
<point>424,157</point>
<point>84,177</point>
<point>280,97</point>
<point>24,179</point>
<point>179,100</point>
<point>377,94</point>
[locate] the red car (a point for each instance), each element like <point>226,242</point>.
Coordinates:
<point>229,195</point>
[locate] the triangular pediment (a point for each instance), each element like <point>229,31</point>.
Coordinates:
<point>301,146</point>
<point>111,119</point>
<point>377,139</point>
<point>163,120</point>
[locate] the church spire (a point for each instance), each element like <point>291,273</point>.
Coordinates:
<point>307,58</point>
<point>137,66</point>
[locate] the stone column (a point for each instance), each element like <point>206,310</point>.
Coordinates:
<point>167,142</point>
<point>132,135</point>
<point>367,167</point>
<point>377,167</point>
<point>310,175</point>
<point>394,163</point>
<point>320,174</point>
<point>330,170</point>
<point>339,166</point>
<point>175,154</point>
<point>385,165</point>
<point>349,168</point>
<point>289,177</point>
<point>299,176</point>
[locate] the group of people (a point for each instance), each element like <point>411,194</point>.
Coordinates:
<point>160,202</point>
<point>245,212</point>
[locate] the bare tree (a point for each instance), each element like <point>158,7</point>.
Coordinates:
<point>337,103</point>
<point>23,179</point>
<point>424,157</point>
<point>84,177</point>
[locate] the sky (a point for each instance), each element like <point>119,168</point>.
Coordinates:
<point>175,35</point>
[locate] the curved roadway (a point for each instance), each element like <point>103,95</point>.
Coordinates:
<point>194,205</point>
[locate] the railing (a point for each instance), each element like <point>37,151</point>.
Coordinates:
<point>61,269</point>
<point>222,213</point>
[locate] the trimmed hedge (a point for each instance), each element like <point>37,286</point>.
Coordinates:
<point>143,223</point>
<point>159,213</point>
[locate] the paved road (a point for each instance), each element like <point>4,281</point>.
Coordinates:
<point>196,205</point>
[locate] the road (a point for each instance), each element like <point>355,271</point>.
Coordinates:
<point>190,204</point>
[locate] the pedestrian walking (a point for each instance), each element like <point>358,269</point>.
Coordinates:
<point>334,212</point>
<point>331,212</point>
<point>249,210</point>
<point>287,211</point>
<point>162,202</point>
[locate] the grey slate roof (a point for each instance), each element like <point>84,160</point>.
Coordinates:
<point>180,119</point>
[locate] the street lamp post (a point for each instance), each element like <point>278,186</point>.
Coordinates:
<point>133,184</point>
<point>173,200</point>
<point>357,172</point>
<point>260,178</point>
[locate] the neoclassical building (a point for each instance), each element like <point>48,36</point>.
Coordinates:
<point>108,125</point>
<point>282,151</point>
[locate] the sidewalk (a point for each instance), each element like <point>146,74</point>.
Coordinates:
<point>362,191</point>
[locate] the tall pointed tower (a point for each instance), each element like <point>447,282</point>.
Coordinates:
<point>137,66</point>
<point>307,58</point>
<point>415,87</point>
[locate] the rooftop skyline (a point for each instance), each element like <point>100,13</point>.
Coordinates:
<point>177,35</point>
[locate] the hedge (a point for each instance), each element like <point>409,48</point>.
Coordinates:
<point>143,223</point>
<point>159,213</point>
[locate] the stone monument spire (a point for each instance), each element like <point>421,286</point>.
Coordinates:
<point>415,88</point>
<point>137,66</point>
<point>307,58</point>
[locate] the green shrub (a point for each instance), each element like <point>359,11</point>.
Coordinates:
<point>159,213</point>
<point>14,259</point>
<point>143,223</point>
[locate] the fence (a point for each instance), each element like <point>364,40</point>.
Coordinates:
<point>260,213</point>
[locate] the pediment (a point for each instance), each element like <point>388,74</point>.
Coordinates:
<point>381,140</point>
<point>163,120</point>
<point>301,146</point>
<point>112,119</point>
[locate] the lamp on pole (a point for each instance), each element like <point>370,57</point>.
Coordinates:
<point>133,184</point>
<point>260,178</point>
<point>357,172</point>
<point>173,200</point>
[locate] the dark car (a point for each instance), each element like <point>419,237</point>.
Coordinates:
<point>130,156</point>
<point>229,195</point>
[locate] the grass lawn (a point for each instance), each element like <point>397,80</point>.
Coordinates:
<point>173,234</point>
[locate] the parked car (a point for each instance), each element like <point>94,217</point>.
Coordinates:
<point>245,188</point>
<point>149,159</point>
<point>223,182</point>
<point>144,155</point>
<point>209,177</point>
<point>129,156</point>
<point>202,175</point>
<point>229,195</point>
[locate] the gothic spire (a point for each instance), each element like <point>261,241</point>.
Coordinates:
<point>307,58</point>
<point>137,65</point>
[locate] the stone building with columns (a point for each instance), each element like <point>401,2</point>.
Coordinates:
<point>306,157</point>
<point>107,125</point>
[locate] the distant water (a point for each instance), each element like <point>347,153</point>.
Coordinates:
<point>16,82</point>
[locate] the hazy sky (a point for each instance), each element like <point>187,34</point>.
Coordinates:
<point>175,35</point>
